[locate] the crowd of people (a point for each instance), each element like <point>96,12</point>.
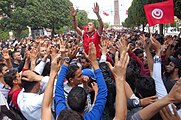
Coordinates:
<point>91,74</point>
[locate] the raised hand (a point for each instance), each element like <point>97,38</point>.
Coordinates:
<point>73,12</point>
<point>166,114</point>
<point>33,54</point>
<point>103,47</point>
<point>144,41</point>
<point>119,70</point>
<point>5,54</point>
<point>96,8</point>
<point>62,45</point>
<point>54,52</point>
<point>148,100</point>
<point>72,51</point>
<point>95,87</point>
<point>122,45</point>
<point>155,45</point>
<point>56,63</point>
<point>92,53</point>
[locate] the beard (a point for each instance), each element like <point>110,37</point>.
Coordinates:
<point>168,74</point>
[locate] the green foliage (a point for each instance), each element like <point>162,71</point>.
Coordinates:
<point>136,14</point>
<point>4,35</point>
<point>178,8</point>
<point>106,25</point>
<point>82,18</point>
<point>18,14</point>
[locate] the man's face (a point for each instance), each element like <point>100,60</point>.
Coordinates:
<point>170,67</point>
<point>84,63</point>
<point>141,56</point>
<point>90,27</point>
<point>78,78</point>
<point>17,56</point>
<point>18,78</point>
<point>42,51</point>
<point>5,70</point>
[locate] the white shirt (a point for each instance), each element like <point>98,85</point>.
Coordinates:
<point>4,90</point>
<point>30,103</point>
<point>3,101</point>
<point>67,89</point>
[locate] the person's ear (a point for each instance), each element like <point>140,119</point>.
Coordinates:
<point>179,56</point>
<point>176,69</point>
<point>1,74</point>
<point>15,81</point>
<point>71,80</point>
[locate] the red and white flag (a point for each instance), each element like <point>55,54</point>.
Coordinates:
<point>160,13</point>
<point>105,13</point>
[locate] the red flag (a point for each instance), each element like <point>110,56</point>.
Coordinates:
<point>160,13</point>
<point>105,13</point>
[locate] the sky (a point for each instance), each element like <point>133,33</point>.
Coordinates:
<point>105,5</point>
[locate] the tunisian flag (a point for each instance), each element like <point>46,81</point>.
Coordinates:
<point>160,13</point>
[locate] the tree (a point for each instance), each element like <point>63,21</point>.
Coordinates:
<point>15,16</point>
<point>177,8</point>
<point>82,18</point>
<point>52,14</point>
<point>136,14</point>
<point>4,35</point>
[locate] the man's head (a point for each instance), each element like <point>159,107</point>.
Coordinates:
<point>17,56</point>
<point>12,78</point>
<point>30,86</point>
<point>90,27</point>
<point>77,99</point>
<point>174,67</point>
<point>69,115</point>
<point>3,69</point>
<point>145,87</point>
<point>74,75</point>
<point>42,51</point>
<point>85,62</point>
<point>139,53</point>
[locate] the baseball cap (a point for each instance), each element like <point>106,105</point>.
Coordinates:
<point>89,73</point>
<point>176,61</point>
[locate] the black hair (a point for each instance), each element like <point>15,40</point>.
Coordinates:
<point>10,76</point>
<point>28,85</point>
<point>69,115</point>
<point>1,58</point>
<point>83,57</point>
<point>145,86</point>
<point>138,51</point>
<point>1,66</point>
<point>71,71</point>
<point>177,52</point>
<point>77,98</point>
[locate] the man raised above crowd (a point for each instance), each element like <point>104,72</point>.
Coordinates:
<point>90,33</point>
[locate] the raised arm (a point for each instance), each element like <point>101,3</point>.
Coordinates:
<point>48,94</point>
<point>101,24</point>
<point>157,75</point>
<point>100,102</point>
<point>73,13</point>
<point>173,97</point>
<point>119,72</point>
<point>145,42</point>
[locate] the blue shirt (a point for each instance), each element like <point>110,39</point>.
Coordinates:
<point>100,102</point>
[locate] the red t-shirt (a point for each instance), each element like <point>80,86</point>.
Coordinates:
<point>95,38</point>
<point>13,96</point>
